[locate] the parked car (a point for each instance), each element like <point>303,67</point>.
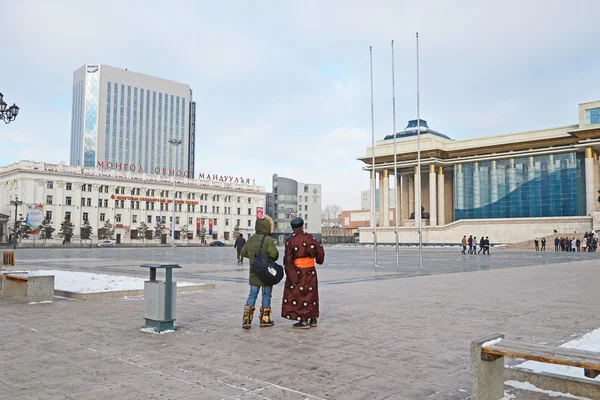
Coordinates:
<point>106,243</point>
<point>217,243</point>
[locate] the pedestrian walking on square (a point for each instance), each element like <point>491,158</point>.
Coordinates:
<point>259,242</point>
<point>464,244</point>
<point>301,291</point>
<point>486,246</point>
<point>573,245</point>
<point>556,243</point>
<point>474,245</point>
<point>543,244</point>
<point>240,242</point>
<point>470,242</point>
<point>537,245</point>
<point>481,244</point>
<point>578,244</point>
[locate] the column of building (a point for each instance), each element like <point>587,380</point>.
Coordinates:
<point>441,200</point>
<point>476,186</point>
<point>384,192</point>
<point>590,195</point>
<point>432,197</point>
<point>380,204</point>
<point>417,193</point>
<point>494,182</point>
<point>460,190</point>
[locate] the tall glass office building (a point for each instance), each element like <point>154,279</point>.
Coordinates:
<point>124,120</point>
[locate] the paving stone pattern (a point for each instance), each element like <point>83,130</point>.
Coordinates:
<point>380,336</point>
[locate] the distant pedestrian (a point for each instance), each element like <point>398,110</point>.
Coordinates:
<point>537,244</point>
<point>238,246</point>
<point>464,244</point>
<point>470,242</point>
<point>481,244</point>
<point>486,245</point>
<point>543,244</point>
<point>474,245</point>
<point>578,244</point>
<point>556,243</point>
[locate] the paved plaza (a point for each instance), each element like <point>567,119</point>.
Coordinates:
<point>385,332</point>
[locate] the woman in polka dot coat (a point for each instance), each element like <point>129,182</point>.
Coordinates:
<point>301,291</point>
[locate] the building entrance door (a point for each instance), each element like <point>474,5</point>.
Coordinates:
<point>118,238</point>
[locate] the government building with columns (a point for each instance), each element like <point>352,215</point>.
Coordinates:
<point>511,187</point>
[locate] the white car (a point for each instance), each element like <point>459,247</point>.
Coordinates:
<point>106,243</point>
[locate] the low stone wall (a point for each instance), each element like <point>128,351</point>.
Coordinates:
<point>124,293</point>
<point>557,383</point>
<point>501,230</point>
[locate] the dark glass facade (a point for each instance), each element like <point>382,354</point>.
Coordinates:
<point>537,186</point>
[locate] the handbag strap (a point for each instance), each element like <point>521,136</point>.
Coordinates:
<point>261,244</point>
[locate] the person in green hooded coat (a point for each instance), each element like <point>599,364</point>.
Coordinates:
<point>263,229</point>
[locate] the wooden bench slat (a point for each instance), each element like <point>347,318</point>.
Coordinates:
<point>589,360</point>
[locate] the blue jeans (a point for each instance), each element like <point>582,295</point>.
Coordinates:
<point>266,296</point>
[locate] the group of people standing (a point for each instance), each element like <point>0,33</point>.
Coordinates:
<point>589,243</point>
<point>471,242</point>
<point>300,294</point>
<point>536,243</point>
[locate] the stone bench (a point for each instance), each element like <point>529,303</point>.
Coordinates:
<point>488,372</point>
<point>35,288</point>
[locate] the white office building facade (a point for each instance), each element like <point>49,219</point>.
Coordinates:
<point>124,120</point>
<point>129,198</point>
<point>289,199</point>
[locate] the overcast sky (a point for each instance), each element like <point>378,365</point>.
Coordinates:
<point>283,86</point>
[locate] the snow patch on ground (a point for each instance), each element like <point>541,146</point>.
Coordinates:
<point>153,331</point>
<point>590,341</point>
<point>88,282</point>
<point>532,388</point>
<point>491,342</point>
<point>42,302</point>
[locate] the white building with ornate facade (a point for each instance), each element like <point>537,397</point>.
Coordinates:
<point>127,198</point>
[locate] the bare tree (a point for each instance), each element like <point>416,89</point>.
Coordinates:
<point>331,216</point>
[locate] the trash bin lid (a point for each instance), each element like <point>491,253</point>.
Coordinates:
<point>161,266</point>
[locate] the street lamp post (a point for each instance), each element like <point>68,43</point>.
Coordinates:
<point>175,143</point>
<point>9,114</point>
<point>16,202</point>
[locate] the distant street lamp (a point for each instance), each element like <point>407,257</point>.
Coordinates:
<point>16,202</point>
<point>10,114</point>
<point>175,143</point>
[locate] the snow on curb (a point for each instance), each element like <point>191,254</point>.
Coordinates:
<point>532,388</point>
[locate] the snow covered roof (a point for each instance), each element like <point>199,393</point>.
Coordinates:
<point>411,130</point>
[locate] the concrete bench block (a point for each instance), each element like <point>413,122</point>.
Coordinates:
<point>487,377</point>
<point>36,288</point>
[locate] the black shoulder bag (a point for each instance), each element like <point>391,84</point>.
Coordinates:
<point>268,271</point>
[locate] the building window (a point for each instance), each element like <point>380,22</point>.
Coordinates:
<point>49,215</point>
<point>226,222</point>
<point>190,220</point>
<point>89,188</point>
<point>149,219</point>
<point>106,203</point>
<point>249,223</point>
<point>239,199</point>
<point>306,207</point>
<point>67,215</point>
<point>134,219</point>
<point>176,220</point>
<point>122,203</point>
<point>305,198</point>
<point>239,211</point>
<point>49,185</point>
<point>215,222</point>
<point>592,116</point>
<point>85,216</point>
<point>83,201</point>
<point>88,202</point>
<point>249,200</point>
<point>249,211</point>
<point>83,187</point>
<point>48,199</point>
<point>68,201</point>
<point>99,202</point>
<point>102,217</point>
<point>305,217</point>
<point>238,222</point>
<point>69,186</point>
<point>118,218</point>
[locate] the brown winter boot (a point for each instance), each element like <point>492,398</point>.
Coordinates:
<point>248,314</point>
<point>265,318</point>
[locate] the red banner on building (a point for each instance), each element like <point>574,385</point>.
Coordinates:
<point>260,212</point>
<point>210,226</point>
<point>197,223</point>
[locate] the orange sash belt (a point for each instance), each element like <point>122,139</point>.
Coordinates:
<point>305,262</point>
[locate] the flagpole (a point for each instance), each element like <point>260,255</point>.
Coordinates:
<point>418,191</point>
<point>397,193</point>
<point>373,175</point>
